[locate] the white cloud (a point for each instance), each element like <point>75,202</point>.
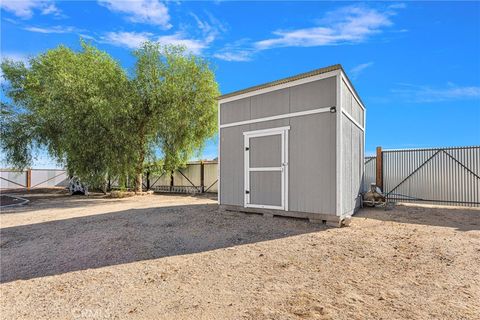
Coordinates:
<point>210,28</point>
<point>131,40</point>
<point>15,56</point>
<point>240,55</point>
<point>351,24</point>
<point>357,70</point>
<point>25,8</point>
<point>194,46</point>
<point>346,25</point>
<point>426,94</point>
<point>54,29</point>
<point>144,11</point>
<point>238,51</point>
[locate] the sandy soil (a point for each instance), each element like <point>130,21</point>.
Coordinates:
<point>178,257</point>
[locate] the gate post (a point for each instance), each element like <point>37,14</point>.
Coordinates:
<point>148,180</point>
<point>379,169</point>
<point>202,177</point>
<point>171,181</point>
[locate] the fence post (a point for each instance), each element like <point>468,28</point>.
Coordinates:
<point>148,180</point>
<point>171,181</point>
<point>29,179</point>
<point>202,176</point>
<point>379,169</point>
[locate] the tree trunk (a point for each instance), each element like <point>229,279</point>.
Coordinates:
<point>138,181</point>
<point>139,169</point>
<point>139,172</point>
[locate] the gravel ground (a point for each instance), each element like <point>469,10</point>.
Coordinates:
<point>178,257</point>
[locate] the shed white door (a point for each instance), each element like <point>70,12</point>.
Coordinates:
<point>266,168</point>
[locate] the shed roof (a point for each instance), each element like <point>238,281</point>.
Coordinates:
<point>284,80</point>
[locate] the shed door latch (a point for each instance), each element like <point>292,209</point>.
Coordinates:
<point>247,148</point>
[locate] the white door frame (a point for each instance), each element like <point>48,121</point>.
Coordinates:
<point>283,132</point>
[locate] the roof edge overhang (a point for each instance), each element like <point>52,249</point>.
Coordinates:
<point>282,81</point>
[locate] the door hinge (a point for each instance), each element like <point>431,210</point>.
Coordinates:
<point>247,192</point>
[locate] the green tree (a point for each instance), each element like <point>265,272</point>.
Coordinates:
<point>74,104</point>
<point>89,115</point>
<point>175,104</point>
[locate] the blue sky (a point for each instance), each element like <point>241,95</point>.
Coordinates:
<point>416,65</point>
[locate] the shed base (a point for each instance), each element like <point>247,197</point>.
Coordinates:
<point>320,218</point>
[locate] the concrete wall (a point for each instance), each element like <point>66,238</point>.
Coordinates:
<point>352,152</point>
<point>311,144</point>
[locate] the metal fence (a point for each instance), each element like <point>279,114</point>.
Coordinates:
<point>33,178</point>
<point>449,176</point>
<point>369,172</point>
<point>196,177</point>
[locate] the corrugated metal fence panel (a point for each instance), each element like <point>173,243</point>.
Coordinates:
<point>189,179</point>
<point>369,176</point>
<point>211,177</point>
<point>188,176</point>
<point>46,178</point>
<point>159,180</point>
<point>12,179</point>
<point>449,176</point>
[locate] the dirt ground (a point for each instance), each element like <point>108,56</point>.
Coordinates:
<point>178,257</point>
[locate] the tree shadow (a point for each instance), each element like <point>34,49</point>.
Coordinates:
<point>461,219</point>
<point>56,247</point>
<point>59,198</point>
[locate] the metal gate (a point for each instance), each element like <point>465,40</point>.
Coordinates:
<point>449,176</point>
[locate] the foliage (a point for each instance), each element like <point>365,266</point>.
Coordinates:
<point>74,104</point>
<point>177,105</point>
<point>90,116</point>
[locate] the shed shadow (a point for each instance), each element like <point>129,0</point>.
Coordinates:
<point>60,246</point>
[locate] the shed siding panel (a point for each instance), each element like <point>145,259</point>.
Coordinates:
<point>352,177</point>
<point>265,188</point>
<point>270,124</point>
<point>231,169</point>
<point>351,105</point>
<point>313,95</point>
<point>312,163</point>
<point>270,104</point>
<point>266,151</point>
<point>238,110</point>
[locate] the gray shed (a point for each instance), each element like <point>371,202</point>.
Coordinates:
<point>293,147</point>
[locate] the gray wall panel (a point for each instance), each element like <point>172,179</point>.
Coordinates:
<point>351,105</point>
<point>269,124</point>
<point>352,173</point>
<point>266,151</point>
<point>238,110</point>
<point>231,168</point>
<point>265,188</point>
<point>270,104</point>
<point>312,157</point>
<point>313,95</point>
